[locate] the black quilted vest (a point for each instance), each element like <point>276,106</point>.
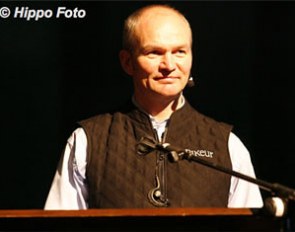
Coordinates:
<point>120,178</point>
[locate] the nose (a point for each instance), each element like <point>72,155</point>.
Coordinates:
<point>167,62</point>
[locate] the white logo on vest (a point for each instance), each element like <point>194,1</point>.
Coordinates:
<point>201,153</point>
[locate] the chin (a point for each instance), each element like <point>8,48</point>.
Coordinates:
<point>170,94</point>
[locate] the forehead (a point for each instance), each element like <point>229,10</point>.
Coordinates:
<point>163,25</point>
<point>155,15</point>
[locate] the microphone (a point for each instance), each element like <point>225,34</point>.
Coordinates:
<point>148,144</point>
<point>174,153</point>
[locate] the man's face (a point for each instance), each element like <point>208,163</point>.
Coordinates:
<point>161,63</point>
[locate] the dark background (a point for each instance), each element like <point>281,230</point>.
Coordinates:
<point>55,72</point>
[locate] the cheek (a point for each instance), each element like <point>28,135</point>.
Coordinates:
<point>146,66</point>
<point>142,71</point>
<point>186,66</point>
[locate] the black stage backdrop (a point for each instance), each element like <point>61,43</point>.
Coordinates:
<point>56,71</point>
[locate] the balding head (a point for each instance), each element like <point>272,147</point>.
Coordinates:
<point>147,15</point>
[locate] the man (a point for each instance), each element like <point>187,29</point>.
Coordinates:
<point>101,167</point>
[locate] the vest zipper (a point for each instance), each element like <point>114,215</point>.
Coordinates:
<point>158,195</point>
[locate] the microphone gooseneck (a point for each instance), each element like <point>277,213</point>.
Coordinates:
<point>281,193</point>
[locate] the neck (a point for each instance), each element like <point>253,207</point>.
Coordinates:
<point>160,109</point>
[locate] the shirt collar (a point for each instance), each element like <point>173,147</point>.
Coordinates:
<point>181,104</point>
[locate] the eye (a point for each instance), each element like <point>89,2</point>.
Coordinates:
<point>180,52</point>
<point>154,52</point>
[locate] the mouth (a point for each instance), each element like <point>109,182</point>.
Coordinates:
<point>166,78</point>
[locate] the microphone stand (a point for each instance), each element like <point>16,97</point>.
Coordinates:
<point>276,205</point>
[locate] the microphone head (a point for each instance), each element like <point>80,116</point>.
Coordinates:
<point>173,156</point>
<point>145,145</point>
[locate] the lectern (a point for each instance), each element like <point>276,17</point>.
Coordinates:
<point>162,219</point>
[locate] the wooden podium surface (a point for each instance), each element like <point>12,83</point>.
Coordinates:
<point>162,219</point>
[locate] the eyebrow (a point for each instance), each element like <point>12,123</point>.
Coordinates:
<point>151,46</point>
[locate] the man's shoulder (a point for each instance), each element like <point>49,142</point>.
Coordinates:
<point>102,119</point>
<point>96,118</point>
<point>107,116</point>
<point>207,119</point>
<point>213,121</point>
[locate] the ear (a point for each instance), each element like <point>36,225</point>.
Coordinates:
<point>126,63</point>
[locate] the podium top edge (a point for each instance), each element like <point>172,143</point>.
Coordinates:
<point>149,212</point>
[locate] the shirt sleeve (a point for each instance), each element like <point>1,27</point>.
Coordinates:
<point>243,194</point>
<point>68,190</point>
